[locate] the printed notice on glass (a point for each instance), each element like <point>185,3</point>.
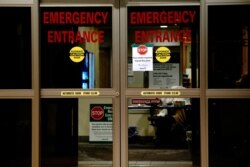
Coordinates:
<point>100,125</point>
<point>142,57</point>
<point>165,75</point>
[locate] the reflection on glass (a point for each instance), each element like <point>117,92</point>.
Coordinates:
<point>68,37</point>
<point>162,130</point>
<point>163,47</point>
<point>15,127</point>
<point>77,132</point>
<point>228,53</point>
<point>229,132</point>
<point>15,64</point>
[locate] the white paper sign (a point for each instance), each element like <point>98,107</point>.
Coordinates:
<point>100,131</point>
<point>142,58</point>
<point>165,75</point>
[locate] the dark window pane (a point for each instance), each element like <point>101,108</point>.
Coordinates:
<point>72,135</point>
<point>15,64</point>
<point>15,127</point>
<point>229,132</point>
<point>59,140</point>
<point>160,131</point>
<point>76,47</point>
<point>170,37</point>
<point>228,53</point>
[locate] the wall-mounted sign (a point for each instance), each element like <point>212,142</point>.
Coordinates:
<point>146,101</point>
<point>80,93</point>
<point>100,125</point>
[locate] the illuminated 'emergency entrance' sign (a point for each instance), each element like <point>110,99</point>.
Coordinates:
<point>63,24</point>
<point>175,19</point>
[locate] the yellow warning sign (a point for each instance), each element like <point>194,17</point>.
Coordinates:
<point>163,54</point>
<point>76,54</point>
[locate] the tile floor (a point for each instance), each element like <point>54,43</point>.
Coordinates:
<point>101,156</point>
<point>137,164</point>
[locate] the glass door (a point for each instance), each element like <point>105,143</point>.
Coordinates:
<point>80,90</point>
<point>160,104</point>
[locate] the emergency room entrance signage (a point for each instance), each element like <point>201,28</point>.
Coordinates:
<point>100,125</point>
<point>176,18</point>
<point>63,25</point>
<point>142,57</point>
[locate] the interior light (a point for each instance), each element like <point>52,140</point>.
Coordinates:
<point>164,26</point>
